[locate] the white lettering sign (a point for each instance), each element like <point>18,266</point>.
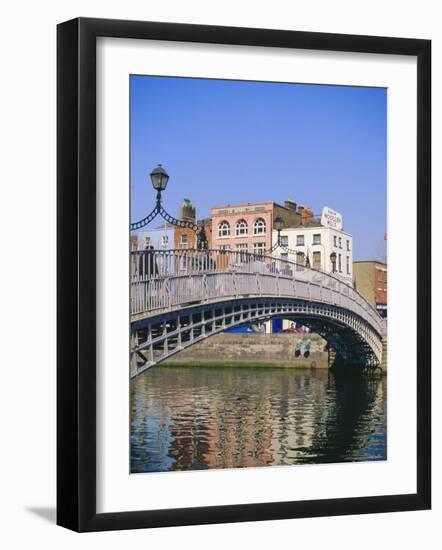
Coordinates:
<point>330,218</point>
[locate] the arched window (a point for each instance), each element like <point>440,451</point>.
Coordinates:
<point>224,229</point>
<point>241,227</point>
<point>259,227</point>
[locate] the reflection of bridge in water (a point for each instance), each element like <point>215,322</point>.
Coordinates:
<point>211,417</point>
<point>180,297</point>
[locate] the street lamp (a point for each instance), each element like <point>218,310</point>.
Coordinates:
<point>333,261</point>
<point>159,178</point>
<point>279,224</point>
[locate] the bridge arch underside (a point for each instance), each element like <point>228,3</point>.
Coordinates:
<point>352,341</point>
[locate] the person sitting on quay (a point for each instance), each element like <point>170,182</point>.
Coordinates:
<point>308,344</point>
<point>298,347</point>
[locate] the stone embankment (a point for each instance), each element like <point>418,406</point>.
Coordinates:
<point>255,350</point>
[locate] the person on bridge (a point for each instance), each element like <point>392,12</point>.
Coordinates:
<point>147,263</point>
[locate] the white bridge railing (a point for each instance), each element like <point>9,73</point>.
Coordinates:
<point>166,279</point>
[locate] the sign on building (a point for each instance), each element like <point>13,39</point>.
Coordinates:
<point>331,218</point>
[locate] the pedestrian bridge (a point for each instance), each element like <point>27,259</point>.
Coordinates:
<point>179,297</point>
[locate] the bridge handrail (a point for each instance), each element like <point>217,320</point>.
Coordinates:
<point>162,263</point>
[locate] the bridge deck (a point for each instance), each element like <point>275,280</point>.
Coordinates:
<point>167,284</point>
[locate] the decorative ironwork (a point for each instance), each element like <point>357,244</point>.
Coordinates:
<point>141,223</point>
<point>285,248</point>
<point>179,223</point>
<point>159,178</point>
<point>160,211</point>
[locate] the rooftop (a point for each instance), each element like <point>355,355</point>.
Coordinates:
<point>243,205</point>
<point>370,262</point>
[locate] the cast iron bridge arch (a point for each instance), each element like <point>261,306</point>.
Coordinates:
<point>179,297</point>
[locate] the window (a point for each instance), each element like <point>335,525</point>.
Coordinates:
<point>284,240</point>
<point>146,243</point>
<point>348,265</point>
<point>285,256</point>
<point>242,247</point>
<point>259,227</point>
<point>300,261</point>
<point>224,229</point>
<point>184,239</point>
<point>241,227</point>
<point>348,245</point>
<point>165,241</point>
<point>335,241</point>
<point>340,242</point>
<point>316,260</point>
<point>259,248</point>
<point>225,247</point>
<point>317,238</point>
<point>299,240</point>
<point>340,263</point>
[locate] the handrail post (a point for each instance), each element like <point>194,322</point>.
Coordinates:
<point>167,293</point>
<point>235,287</point>
<point>206,288</point>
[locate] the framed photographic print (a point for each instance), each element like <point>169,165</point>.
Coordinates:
<point>243,274</point>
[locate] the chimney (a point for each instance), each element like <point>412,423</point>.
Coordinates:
<point>289,204</point>
<point>306,214</point>
<point>187,211</point>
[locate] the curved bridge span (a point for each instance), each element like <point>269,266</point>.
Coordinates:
<point>179,297</point>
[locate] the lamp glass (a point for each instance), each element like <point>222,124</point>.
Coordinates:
<point>159,178</point>
<point>279,223</point>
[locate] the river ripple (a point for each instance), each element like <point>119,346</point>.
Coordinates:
<point>193,418</point>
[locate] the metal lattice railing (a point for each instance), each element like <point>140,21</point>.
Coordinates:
<point>166,279</point>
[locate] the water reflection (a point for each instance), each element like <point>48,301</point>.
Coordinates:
<point>192,418</point>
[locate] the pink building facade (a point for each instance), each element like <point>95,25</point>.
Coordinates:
<point>248,227</point>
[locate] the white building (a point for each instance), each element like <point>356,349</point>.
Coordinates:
<point>317,241</point>
<point>160,238</point>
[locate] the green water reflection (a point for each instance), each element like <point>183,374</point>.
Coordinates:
<point>192,418</point>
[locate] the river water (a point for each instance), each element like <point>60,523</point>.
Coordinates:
<point>193,418</point>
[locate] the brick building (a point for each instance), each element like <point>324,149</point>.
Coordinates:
<point>371,281</point>
<point>186,237</point>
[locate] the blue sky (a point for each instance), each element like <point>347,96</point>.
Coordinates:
<point>227,142</point>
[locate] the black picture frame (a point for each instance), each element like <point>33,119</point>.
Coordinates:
<point>76,273</point>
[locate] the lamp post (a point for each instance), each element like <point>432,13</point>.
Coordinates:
<point>159,178</point>
<point>333,261</point>
<point>279,224</point>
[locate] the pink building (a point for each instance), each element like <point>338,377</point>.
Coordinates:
<point>248,227</point>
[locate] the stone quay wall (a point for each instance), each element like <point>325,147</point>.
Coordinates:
<point>254,350</point>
